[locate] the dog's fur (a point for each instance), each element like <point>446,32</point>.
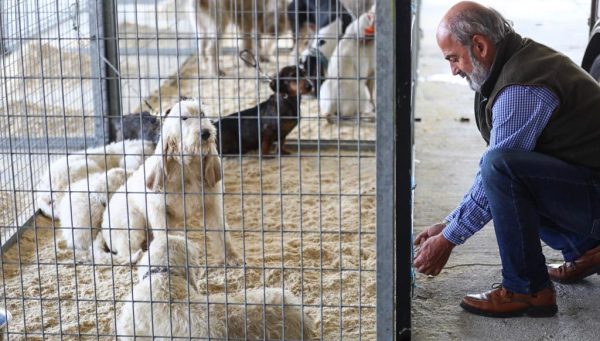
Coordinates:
<point>165,303</point>
<point>156,197</point>
<point>279,115</point>
<point>140,126</point>
<point>80,211</point>
<point>315,58</point>
<point>211,18</point>
<point>128,154</point>
<point>313,15</point>
<point>348,73</point>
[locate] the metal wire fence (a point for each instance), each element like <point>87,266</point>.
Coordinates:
<point>257,225</point>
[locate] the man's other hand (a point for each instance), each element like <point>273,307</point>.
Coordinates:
<point>434,250</point>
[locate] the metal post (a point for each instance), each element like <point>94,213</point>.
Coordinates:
<point>104,52</point>
<point>385,152</point>
<point>394,168</point>
<point>405,48</point>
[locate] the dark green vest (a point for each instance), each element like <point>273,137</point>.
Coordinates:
<point>573,132</point>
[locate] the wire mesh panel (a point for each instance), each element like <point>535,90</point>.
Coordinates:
<point>248,211</point>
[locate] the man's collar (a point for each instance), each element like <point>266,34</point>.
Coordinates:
<point>504,51</point>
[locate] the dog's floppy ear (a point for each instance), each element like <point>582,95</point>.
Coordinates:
<point>273,84</point>
<point>212,167</point>
<point>155,176</point>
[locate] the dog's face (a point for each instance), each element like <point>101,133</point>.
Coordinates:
<point>186,136</point>
<point>291,81</point>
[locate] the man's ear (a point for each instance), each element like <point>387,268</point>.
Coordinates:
<point>482,47</point>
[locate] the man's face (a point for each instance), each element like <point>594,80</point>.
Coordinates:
<point>463,62</point>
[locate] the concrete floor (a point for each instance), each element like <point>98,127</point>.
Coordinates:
<point>447,156</point>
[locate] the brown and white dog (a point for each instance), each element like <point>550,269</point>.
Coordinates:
<point>211,18</point>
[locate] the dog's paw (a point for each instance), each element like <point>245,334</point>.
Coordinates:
<point>332,118</point>
<point>233,259</point>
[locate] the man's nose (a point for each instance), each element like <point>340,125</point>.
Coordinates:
<point>455,70</point>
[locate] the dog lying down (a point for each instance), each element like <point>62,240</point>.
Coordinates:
<point>128,154</point>
<point>156,197</point>
<point>165,303</point>
<point>278,115</point>
<point>140,126</point>
<point>80,211</point>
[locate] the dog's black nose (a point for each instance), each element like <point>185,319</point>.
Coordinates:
<point>205,134</point>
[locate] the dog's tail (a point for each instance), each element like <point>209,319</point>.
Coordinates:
<point>102,254</point>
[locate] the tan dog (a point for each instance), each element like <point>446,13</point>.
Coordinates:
<point>182,179</point>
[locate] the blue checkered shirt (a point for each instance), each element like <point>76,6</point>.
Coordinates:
<point>519,116</point>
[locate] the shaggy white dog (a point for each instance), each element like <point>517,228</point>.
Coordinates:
<point>182,179</point>
<point>165,303</point>
<point>129,154</point>
<point>80,211</point>
<point>346,90</point>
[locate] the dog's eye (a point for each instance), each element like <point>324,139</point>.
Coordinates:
<point>184,118</point>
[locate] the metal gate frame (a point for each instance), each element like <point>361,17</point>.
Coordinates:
<point>397,20</point>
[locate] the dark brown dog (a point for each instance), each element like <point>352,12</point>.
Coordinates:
<point>268,122</point>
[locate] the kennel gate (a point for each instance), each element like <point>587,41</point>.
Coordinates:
<point>69,65</point>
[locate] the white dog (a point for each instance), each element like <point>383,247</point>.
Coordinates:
<point>55,182</point>
<point>80,211</point>
<point>156,197</point>
<point>346,90</point>
<point>165,303</point>
<point>211,18</point>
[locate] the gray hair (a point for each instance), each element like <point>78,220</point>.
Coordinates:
<point>484,21</point>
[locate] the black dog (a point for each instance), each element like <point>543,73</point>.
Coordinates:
<point>270,121</point>
<point>140,126</point>
<point>314,15</point>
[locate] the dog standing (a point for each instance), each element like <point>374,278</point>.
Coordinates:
<point>270,121</point>
<point>211,18</point>
<point>156,197</point>
<point>307,17</point>
<point>347,91</point>
<point>315,59</point>
<point>165,303</point>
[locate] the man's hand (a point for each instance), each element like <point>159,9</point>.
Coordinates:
<point>434,250</point>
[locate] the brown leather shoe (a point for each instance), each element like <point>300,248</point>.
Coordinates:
<point>571,272</point>
<point>500,302</point>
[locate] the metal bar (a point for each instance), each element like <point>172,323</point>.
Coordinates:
<point>385,154</point>
<point>6,245</point>
<point>111,55</point>
<point>593,15</point>
<point>404,165</point>
<point>53,143</point>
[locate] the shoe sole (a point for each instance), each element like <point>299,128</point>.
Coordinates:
<point>538,311</point>
<point>591,271</point>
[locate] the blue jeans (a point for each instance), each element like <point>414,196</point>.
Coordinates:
<point>533,196</point>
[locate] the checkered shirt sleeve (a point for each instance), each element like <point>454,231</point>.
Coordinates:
<point>519,116</point>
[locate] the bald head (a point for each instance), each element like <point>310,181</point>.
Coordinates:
<point>468,18</point>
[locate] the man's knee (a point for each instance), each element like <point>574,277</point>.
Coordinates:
<point>498,161</point>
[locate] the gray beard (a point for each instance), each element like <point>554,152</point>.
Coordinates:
<point>479,74</point>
